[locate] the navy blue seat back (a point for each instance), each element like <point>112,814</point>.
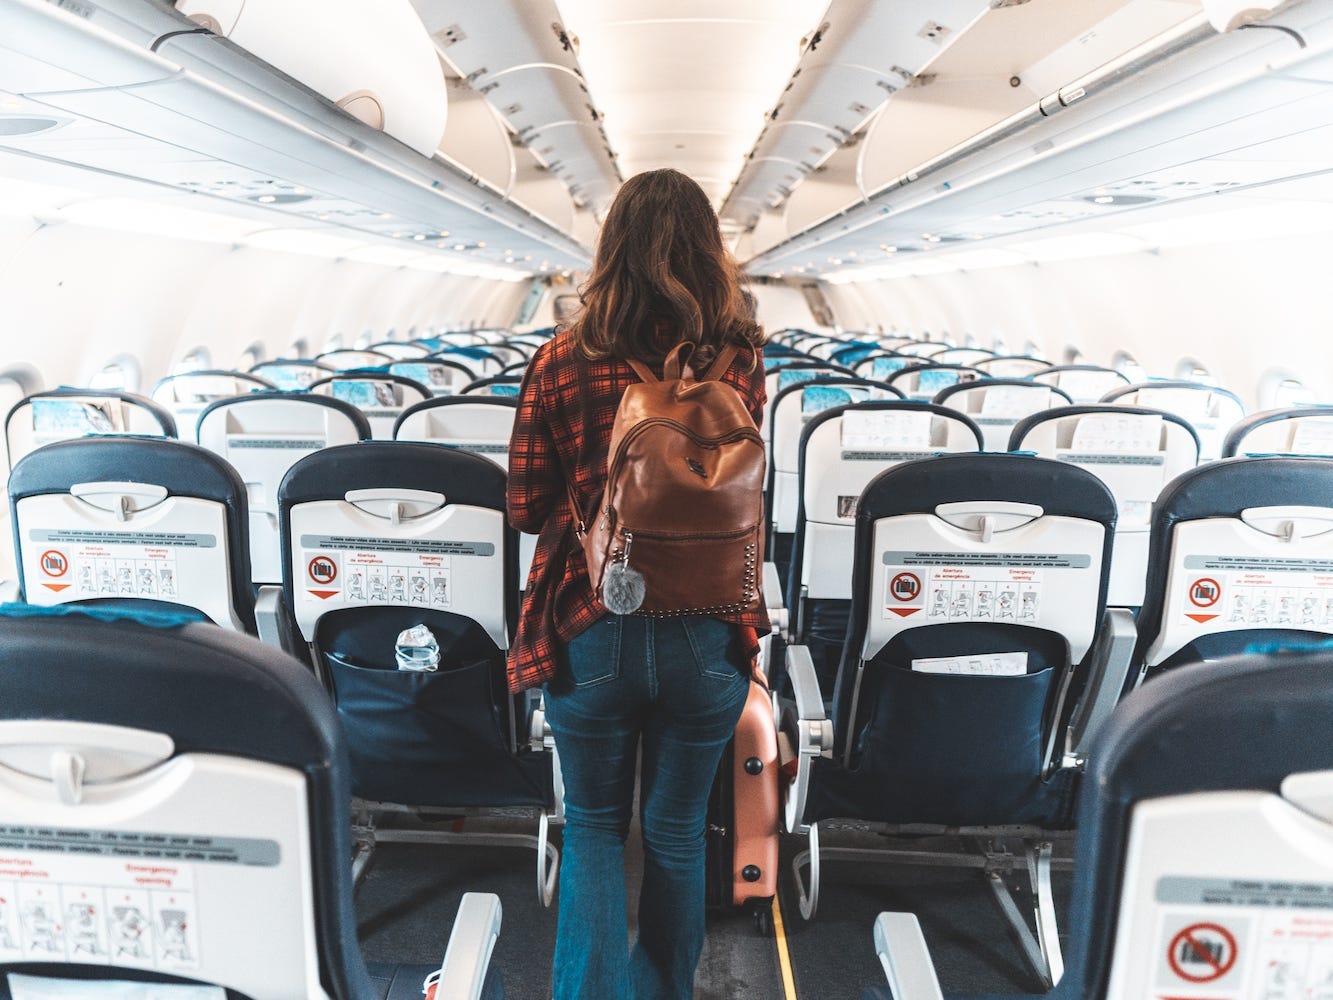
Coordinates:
<point>1235,743</point>
<point>114,519</point>
<point>180,699</point>
<point>980,584</point>
<point>1241,553</point>
<point>382,536</point>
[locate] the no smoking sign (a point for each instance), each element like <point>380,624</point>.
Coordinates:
<point>1202,953</point>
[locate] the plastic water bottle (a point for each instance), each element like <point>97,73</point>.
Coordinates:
<point>417,650</point>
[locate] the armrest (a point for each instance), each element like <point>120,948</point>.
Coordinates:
<point>1109,665</point>
<point>9,591</point>
<point>778,616</point>
<point>810,732</point>
<point>906,959</point>
<point>805,686</point>
<point>271,618</point>
<point>476,929</point>
<point>772,586</point>
<point>540,736</point>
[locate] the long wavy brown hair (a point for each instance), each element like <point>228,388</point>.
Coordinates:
<point>662,276</point>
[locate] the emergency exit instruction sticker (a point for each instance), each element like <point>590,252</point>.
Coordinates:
<point>383,571</point>
<point>1227,940</point>
<point>1245,592</point>
<point>128,912</point>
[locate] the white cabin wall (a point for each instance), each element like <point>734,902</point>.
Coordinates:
<point>1240,308</point>
<point>781,306</point>
<point>73,297</point>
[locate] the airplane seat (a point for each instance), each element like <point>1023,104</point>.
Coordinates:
<point>525,348</point>
<point>63,414</point>
<point>442,378</point>
<point>1202,867</point>
<point>382,538</point>
<point>996,405</point>
<point>477,357</point>
<point>777,354</point>
<point>176,799</point>
<point>400,350</point>
<point>788,374</point>
<point>380,396</point>
<point>1294,430</point>
<point>135,522</point>
<point>817,345</point>
<point>347,359</point>
<point>852,352</point>
<point>1136,452</point>
<point>292,374</point>
<point>840,451</point>
<point>1084,384</point>
<point>1242,555</point>
<point>1211,411</point>
<point>507,355</point>
<point>263,435</point>
<point>493,385</point>
<point>186,395</point>
<point>923,381</point>
<point>979,586</point>
<point>476,423</point>
<point>966,356</point>
<point>882,366</point>
<point>1020,366</point>
<point>792,408</point>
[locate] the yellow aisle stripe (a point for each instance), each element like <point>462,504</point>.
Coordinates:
<point>784,957</point>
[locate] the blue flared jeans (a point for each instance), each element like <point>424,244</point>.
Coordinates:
<point>666,684</point>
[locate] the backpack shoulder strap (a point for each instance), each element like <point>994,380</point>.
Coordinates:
<point>720,364</point>
<point>643,371</point>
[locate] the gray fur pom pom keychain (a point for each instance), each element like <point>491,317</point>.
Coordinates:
<point>623,588</point>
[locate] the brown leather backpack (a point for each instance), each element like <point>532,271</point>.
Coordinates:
<point>679,527</point>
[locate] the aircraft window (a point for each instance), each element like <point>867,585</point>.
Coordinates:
<point>334,343</point>
<point>1073,356</point>
<point>1126,365</point>
<point>971,341</point>
<point>362,342</point>
<point>196,360</point>
<point>1032,349</point>
<point>120,373</point>
<point>1281,387</point>
<point>251,356</point>
<point>1193,370</point>
<point>300,348</point>
<point>15,383</point>
<point>999,345</point>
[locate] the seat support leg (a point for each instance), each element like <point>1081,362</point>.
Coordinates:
<point>363,836</point>
<point>1001,862</point>
<point>1048,932</point>
<point>548,861</point>
<point>808,897</point>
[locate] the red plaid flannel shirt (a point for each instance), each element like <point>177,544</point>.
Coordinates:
<point>566,409</point>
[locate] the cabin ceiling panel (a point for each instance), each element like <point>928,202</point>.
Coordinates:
<point>663,74</point>
<point>869,49</point>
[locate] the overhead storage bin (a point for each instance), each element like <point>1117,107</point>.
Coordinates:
<point>374,60</point>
